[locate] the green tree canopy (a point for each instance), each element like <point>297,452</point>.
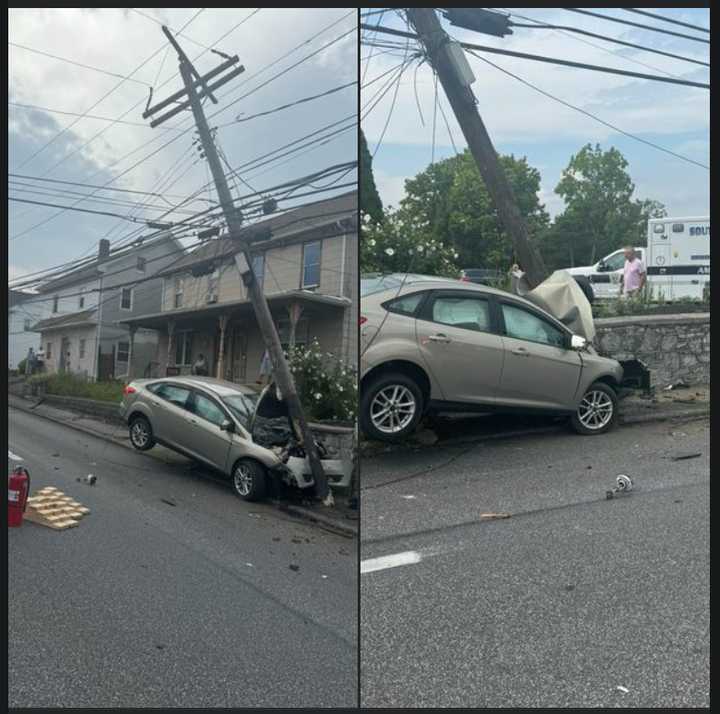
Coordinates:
<point>370,202</point>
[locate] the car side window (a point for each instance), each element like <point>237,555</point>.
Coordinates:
<point>207,409</point>
<point>470,313</point>
<point>615,262</point>
<point>405,305</point>
<point>173,394</point>
<point>525,325</point>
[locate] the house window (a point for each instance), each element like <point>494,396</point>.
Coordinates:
<point>81,300</point>
<point>301,333</point>
<point>141,262</point>
<point>311,264</point>
<point>258,266</point>
<point>183,349</point>
<point>122,358</point>
<point>82,349</point>
<point>26,324</point>
<point>126,299</point>
<point>56,300</point>
<point>212,289</point>
<point>48,351</point>
<point>178,301</point>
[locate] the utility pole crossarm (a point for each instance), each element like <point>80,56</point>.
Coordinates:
<point>185,60</point>
<point>449,63</point>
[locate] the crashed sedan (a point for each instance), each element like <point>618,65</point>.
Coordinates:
<point>226,426</point>
<point>430,345</point>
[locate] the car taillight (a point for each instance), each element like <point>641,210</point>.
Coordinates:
<point>129,389</point>
<point>363,320</point>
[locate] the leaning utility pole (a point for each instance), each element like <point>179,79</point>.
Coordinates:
<point>448,60</point>
<point>243,258</point>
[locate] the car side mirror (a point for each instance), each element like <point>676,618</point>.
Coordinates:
<point>577,342</point>
<point>227,426</point>
<point>601,266</point>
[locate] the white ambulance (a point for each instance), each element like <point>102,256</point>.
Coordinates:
<point>677,257</point>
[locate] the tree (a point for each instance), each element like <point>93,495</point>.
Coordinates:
<point>451,200</point>
<point>370,202</point>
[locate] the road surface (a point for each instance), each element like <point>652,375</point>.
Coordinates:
<point>572,601</point>
<point>172,592</point>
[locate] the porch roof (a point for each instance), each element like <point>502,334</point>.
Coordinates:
<point>85,318</point>
<point>158,320</point>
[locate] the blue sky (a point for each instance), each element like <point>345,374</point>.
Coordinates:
<point>525,123</point>
<point>117,40</point>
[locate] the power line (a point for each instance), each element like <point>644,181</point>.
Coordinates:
<point>667,19</point>
<point>176,32</point>
<point>557,61</point>
<point>636,24</point>
<point>606,38</point>
<point>592,116</point>
<point>79,64</point>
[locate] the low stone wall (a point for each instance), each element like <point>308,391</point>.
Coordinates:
<point>674,347</point>
<point>107,411</point>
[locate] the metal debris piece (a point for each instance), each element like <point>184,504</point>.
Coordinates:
<point>623,485</point>
<point>490,516</point>
<point>683,457</point>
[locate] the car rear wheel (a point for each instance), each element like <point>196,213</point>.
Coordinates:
<point>597,411</point>
<point>249,480</point>
<point>141,433</point>
<point>391,407</point>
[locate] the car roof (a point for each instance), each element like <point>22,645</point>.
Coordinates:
<point>220,387</point>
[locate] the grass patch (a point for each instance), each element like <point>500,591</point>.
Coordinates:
<point>70,385</point>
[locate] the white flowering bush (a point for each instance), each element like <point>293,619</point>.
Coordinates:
<point>399,244</point>
<point>326,385</point>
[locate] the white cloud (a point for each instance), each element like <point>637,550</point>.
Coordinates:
<point>390,188</point>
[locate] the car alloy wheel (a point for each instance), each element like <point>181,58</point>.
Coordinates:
<point>596,410</point>
<point>392,409</point>
<point>243,479</point>
<point>139,433</point>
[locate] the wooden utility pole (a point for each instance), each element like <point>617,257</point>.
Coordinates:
<point>447,59</point>
<point>282,373</point>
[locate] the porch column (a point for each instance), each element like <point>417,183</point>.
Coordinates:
<point>133,330</point>
<point>295,312</point>
<point>170,347</point>
<point>222,321</point>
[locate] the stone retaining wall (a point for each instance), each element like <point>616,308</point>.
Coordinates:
<point>674,347</point>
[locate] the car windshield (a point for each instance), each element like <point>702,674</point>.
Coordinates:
<point>242,406</point>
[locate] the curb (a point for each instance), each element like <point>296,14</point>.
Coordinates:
<point>697,413</point>
<point>321,520</point>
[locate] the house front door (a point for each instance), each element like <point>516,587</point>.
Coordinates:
<point>64,363</point>
<point>238,353</point>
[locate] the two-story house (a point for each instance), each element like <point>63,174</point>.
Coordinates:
<point>307,262</point>
<point>82,329</point>
<point>23,313</point>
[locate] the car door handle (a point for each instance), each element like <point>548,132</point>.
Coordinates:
<point>521,352</point>
<point>439,338</point>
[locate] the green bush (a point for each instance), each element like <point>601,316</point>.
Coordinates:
<point>71,385</point>
<point>21,366</point>
<point>326,385</point>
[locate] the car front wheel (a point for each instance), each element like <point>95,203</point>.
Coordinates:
<point>141,433</point>
<point>391,407</point>
<point>597,411</point>
<point>249,480</point>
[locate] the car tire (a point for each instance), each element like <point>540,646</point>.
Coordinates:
<point>399,389</point>
<point>249,480</point>
<point>141,433</point>
<point>597,411</point>
<point>586,287</point>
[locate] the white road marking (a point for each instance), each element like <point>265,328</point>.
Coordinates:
<point>409,557</point>
<point>14,457</point>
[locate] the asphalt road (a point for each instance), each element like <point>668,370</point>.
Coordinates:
<point>572,601</point>
<point>172,592</point>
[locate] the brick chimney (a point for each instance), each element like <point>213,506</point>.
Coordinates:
<point>104,250</point>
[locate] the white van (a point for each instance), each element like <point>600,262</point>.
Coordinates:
<point>604,276</point>
<point>678,257</point>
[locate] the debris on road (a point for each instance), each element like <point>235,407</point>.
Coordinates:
<point>169,503</point>
<point>623,485</point>
<point>50,507</point>
<point>294,567</point>
<point>491,516</point>
<point>676,385</point>
<point>683,457</point>
<point>622,689</point>
<point>90,479</point>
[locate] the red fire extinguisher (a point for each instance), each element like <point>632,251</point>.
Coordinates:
<point>18,491</point>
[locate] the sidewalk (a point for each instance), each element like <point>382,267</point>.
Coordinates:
<point>339,518</point>
<point>451,429</point>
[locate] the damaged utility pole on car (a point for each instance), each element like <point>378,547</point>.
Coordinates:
<point>193,81</point>
<point>447,58</point>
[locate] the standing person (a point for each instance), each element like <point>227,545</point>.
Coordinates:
<point>200,367</point>
<point>634,274</point>
<point>265,368</point>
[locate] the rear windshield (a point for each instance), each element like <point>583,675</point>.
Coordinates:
<point>372,283</point>
<point>242,406</point>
